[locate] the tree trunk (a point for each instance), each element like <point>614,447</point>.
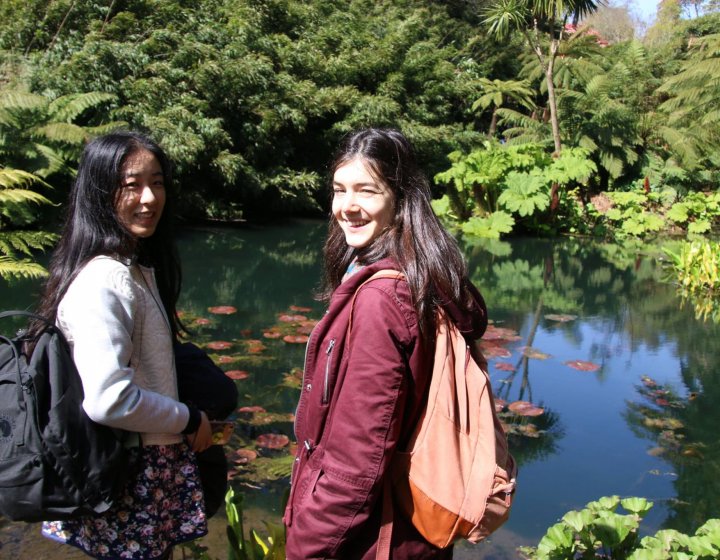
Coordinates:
<point>552,101</point>
<point>493,124</point>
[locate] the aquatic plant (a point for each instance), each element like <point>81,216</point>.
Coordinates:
<point>601,531</point>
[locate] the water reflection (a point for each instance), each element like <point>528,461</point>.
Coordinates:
<point>569,301</point>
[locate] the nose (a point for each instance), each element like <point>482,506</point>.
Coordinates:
<point>349,202</point>
<point>147,196</point>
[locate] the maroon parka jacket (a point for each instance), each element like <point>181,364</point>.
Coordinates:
<point>360,399</point>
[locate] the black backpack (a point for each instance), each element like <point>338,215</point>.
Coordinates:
<point>55,462</point>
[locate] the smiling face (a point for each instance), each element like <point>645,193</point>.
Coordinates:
<point>141,197</point>
<point>362,206</point>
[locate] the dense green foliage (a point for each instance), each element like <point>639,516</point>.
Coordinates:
<point>249,97</point>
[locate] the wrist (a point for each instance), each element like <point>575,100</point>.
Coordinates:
<point>194,419</point>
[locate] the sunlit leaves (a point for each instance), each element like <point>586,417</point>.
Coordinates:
<point>525,193</point>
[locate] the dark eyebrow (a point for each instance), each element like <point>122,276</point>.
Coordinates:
<point>127,175</point>
<point>358,184</point>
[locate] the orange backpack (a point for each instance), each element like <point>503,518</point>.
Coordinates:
<point>457,478</point>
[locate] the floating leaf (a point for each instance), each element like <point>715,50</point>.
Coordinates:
<point>504,366</point>
<point>219,345</point>
<point>528,430</point>
<point>292,318</point>
<point>295,339</point>
<point>501,334</point>
<point>222,310</point>
<point>525,408</point>
<point>251,409</point>
<point>534,353</point>
<point>272,441</point>
<point>561,318</point>
<point>582,365</point>
<point>201,321</point>
<point>500,404</point>
<point>255,346</point>
<point>299,309</point>
<point>245,333</point>
<point>272,334</point>
<point>302,329</point>
<point>243,456</point>
<point>491,350</point>
<point>237,374</point>
<point>226,359</point>
<point>648,381</point>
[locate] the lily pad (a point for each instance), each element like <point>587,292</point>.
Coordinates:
<point>525,408</point>
<point>534,353</point>
<point>272,334</point>
<point>501,334</point>
<point>237,374</point>
<point>219,345</point>
<point>295,339</point>
<point>272,441</point>
<point>243,456</point>
<point>492,350</point>
<point>292,318</point>
<point>251,409</point>
<point>227,359</point>
<point>582,365</point>
<point>222,310</point>
<point>201,322</point>
<point>299,309</point>
<point>560,317</point>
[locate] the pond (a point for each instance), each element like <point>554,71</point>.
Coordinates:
<point>627,376</point>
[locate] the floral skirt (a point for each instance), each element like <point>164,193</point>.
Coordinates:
<point>161,506</point>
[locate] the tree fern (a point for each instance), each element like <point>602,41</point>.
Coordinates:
<point>25,242</point>
<point>11,268</point>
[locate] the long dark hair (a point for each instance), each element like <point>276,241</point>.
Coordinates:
<point>92,227</point>
<point>427,254</point>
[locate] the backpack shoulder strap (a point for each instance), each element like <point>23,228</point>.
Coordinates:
<point>385,273</point>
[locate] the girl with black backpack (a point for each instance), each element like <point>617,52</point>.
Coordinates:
<point>113,286</point>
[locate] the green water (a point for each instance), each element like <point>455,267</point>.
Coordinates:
<point>603,430</point>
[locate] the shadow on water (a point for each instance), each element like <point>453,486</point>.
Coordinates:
<point>585,326</point>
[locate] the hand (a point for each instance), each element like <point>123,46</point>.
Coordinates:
<point>201,439</point>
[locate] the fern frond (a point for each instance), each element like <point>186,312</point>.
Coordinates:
<point>53,161</point>
<point>14,269</point>
<point>68,107</point>
<point>63,132</point>
<point>105,128</point>
<point>22,196</point>
<point>25,242</point>
<point>18,100</point>
<point>17,178</point>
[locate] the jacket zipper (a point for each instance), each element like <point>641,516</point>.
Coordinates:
<point>326,387</point>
